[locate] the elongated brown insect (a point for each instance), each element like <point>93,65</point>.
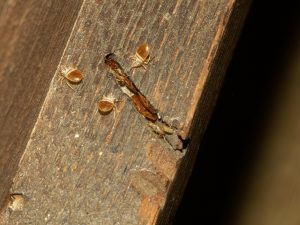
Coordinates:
<point>119,74</point>
<point>140,102</point>
<point>144,110</point>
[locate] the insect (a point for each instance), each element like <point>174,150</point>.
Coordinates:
<point>126,85</point>
<point>72,76</point>
<point>106,104</point>
<point>16,202</point>
<point>142,56</point>
<point>160,128</point>
<point>140,102</point>
<point>144,107</point>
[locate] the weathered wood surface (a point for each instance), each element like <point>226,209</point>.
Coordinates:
<point>80,167</point>
<point>29,53</point>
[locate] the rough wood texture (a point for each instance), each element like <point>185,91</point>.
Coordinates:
<point>80,167</point>
<point>30,53</point>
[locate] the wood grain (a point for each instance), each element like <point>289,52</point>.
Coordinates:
<point>80,167</point>
<point>33,37</point>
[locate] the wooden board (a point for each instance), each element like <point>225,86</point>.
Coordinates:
<point>30,53</point>
<point>80,167</point>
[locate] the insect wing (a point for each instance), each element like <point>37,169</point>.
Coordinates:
<point>142,109</point>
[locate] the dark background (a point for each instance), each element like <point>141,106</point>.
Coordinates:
<point>228,150</point>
